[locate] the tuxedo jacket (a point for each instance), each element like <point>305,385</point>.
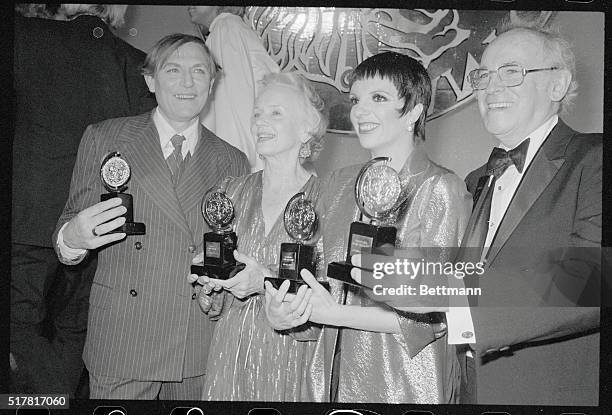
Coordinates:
<point>67,75</point>
<point>144,321</point>
<point>537,340</point>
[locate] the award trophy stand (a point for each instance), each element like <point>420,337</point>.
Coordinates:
<point>219,245</point>
<point>115,173</point>
<point>377,192</point>
<point>300,220</point>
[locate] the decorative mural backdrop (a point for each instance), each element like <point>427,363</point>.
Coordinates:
<point>326,43</point>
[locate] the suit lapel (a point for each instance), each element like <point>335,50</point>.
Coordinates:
<point>197,177</point>
<point>143,152</point>
<point>543,168</point>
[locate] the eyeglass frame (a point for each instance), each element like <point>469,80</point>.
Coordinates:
<point>524,72</point>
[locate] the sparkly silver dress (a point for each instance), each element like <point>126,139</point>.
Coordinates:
<point>418,365</point>
<point>248,360</point>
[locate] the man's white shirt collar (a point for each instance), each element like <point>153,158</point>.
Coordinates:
<point>166,132</point>
<point>536,139</point>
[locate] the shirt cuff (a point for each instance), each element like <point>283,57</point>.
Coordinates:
<point>460,325</point>
<point>72,255</point>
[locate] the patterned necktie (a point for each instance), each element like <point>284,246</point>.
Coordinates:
<point>175,160</point>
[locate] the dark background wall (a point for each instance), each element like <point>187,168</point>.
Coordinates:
<point>456,140</point>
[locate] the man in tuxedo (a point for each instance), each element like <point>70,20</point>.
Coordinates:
<point>146,337</point>
<point>67,74</point>
<point>536,323</point>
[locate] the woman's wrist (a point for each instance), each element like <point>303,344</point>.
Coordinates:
<point>334,316</point>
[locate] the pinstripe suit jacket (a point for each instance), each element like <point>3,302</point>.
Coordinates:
<point>144,323</point>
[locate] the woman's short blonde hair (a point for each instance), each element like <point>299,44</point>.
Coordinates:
<point>314,115</point>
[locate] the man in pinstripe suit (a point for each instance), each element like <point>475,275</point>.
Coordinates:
<point>146,336</point>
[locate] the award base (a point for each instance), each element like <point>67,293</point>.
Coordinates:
<point>341,271</point>
<point>363,237</point>
<point>294,285</point>
<point>129,227</point>
<point>222,272</point>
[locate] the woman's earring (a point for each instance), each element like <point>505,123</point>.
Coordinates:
<point>305,151</point>
<point>410,127</point>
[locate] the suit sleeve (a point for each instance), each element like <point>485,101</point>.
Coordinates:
<point>576,287</point>
<point>85,187</point>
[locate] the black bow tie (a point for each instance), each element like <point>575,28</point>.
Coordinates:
<point>501,159</point>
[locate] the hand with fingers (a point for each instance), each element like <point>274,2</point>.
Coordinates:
<point>285,311</point>
<point>89,228</point>
<point>211,302</point>
<point>361,276</point>
<point>210,295</point>
<point>203,280</point>
<point>324,307</point>
<point>247,282</point>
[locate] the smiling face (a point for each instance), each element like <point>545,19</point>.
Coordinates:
<point>376,118</point>
<point>511,113</point>
<point>182,84</point>
<point>278,122</point>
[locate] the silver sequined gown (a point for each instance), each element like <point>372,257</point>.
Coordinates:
<point>416,366</point>
<point>248,360</point>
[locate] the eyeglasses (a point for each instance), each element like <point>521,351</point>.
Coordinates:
<point>509,75</point>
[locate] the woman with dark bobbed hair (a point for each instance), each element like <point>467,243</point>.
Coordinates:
<point>384,354</point>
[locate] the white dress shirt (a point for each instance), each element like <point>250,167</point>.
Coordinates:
<point>165,132</point>
<point>508,182</point>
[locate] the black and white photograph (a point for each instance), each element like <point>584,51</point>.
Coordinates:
<point>278,206</point>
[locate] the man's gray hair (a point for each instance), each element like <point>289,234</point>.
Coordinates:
<point>558,50</point>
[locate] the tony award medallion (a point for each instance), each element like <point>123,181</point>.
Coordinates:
<point>219,245</point>
<point>300,220</point>
<point>377,192</point>
<point>115,173</point>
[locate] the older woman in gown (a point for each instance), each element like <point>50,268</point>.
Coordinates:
<point>249,360</point>
<point>383,354</point>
